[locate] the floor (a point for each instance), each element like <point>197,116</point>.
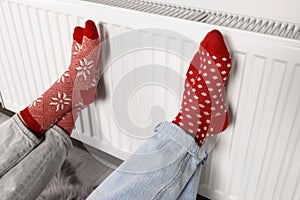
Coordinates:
<point>91,167</point>
<point>3,117</point>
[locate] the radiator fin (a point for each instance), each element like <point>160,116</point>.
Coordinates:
<point>252,24</point>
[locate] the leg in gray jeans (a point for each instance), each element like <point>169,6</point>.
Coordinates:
<point>28,163</point>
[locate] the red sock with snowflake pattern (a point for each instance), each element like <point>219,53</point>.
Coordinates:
<point>67,122</point>
<point>203,110</point>
<point>75,88</point>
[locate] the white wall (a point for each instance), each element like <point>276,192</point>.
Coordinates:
<point>283,10</point>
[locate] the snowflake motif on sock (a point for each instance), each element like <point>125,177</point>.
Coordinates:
<point>77,48</point>
<point>79,105</point>
<point>60,101</point>
<point>95,81</point>
<point>84,68</point>
<point>64,76</point>
<point>36,102</point>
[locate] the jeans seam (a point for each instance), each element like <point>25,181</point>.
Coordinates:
<point>12,162</point>
<point>174,180</point>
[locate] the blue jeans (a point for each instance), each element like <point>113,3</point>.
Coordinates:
<point>167,166</point>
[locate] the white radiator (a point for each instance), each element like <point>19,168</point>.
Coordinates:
<point>257,157</point>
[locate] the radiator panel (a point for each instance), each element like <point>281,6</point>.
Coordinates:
<point>255,158</point>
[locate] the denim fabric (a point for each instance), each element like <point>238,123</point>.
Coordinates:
<point>166,166</point>
<point>16,142</point>
<point>27,163</point>
<point>190,192</point>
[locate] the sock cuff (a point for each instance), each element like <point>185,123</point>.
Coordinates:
<point>30,122</point>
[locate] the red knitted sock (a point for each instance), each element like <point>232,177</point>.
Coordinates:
<point>203,111</point>
<point>73,88</point>
<point>67,122</point>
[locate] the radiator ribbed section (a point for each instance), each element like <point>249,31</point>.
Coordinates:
<point>253,24</point>
<point>257,157</point>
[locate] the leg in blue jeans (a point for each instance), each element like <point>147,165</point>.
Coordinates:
<point>166,166</point>
<point>191,189</point>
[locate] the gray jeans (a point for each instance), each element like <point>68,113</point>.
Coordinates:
<point>28,163</point>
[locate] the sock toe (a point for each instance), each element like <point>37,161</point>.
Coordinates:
<point>214,44</point>
<point>214,50</point>
<point>78,34</point>
<point>90,30</point>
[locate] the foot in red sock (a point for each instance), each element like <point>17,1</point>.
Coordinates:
<point>203,111</point>
<point>76,87</point>
<point>67,122</point>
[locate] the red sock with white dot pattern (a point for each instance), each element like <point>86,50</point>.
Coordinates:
<point>203,111</point>
<point>75,88</point>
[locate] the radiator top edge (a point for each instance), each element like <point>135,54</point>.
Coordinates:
<point>235,21</point>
